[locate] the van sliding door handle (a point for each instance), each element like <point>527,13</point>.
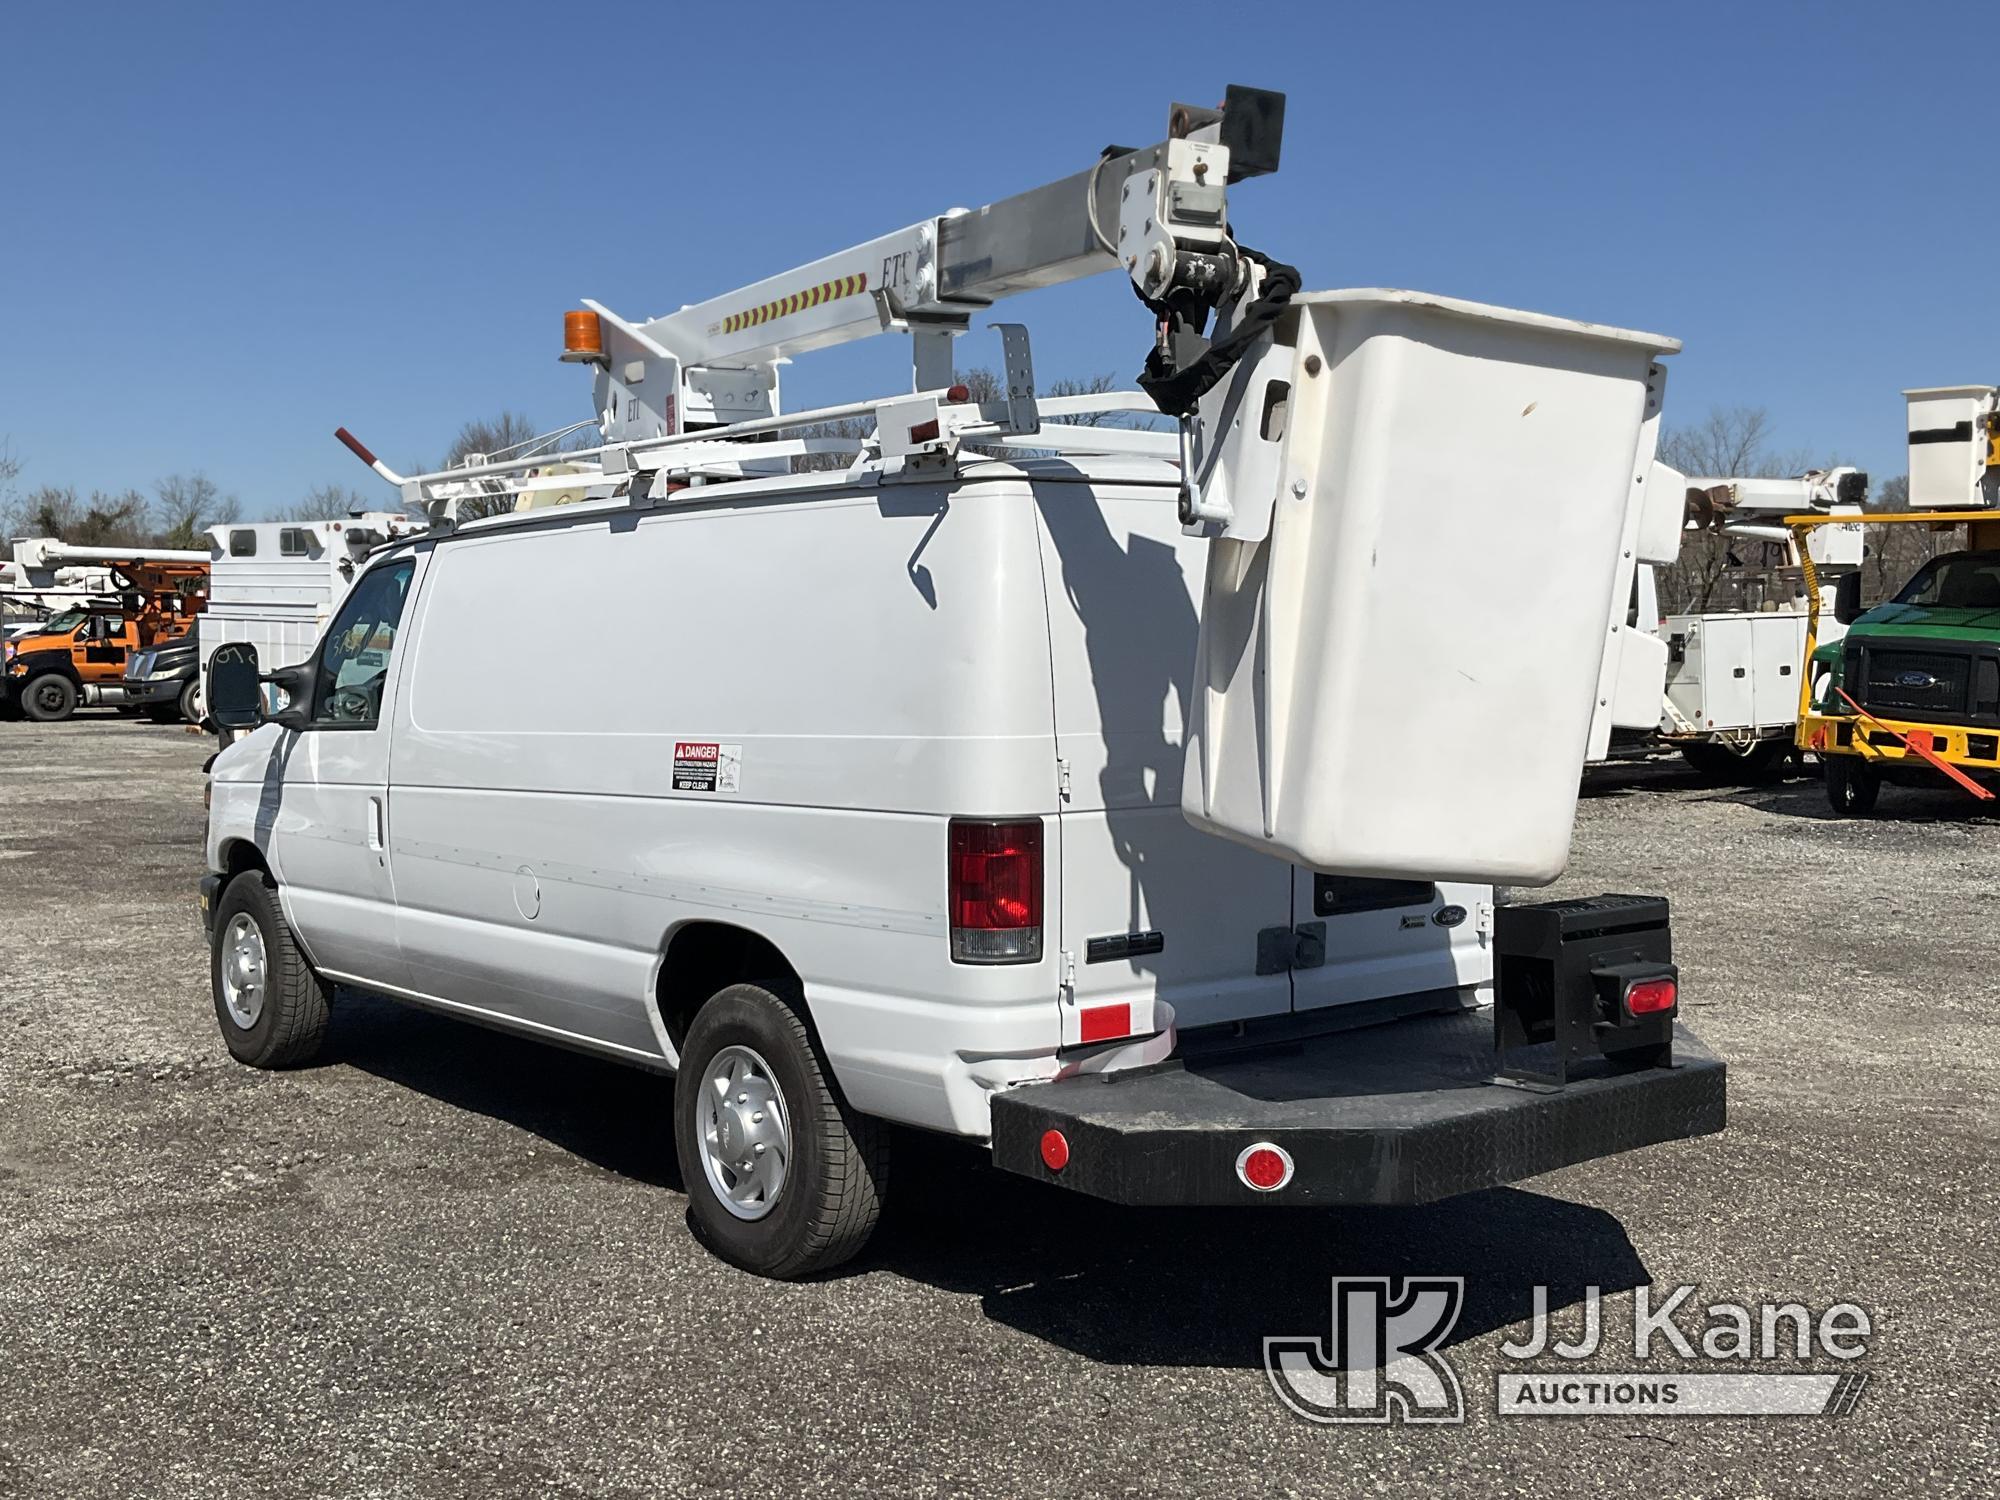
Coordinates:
<point>375,824</point>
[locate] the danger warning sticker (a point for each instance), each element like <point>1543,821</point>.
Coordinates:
<point>705,766</point>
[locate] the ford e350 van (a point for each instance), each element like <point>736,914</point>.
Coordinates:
<point>859,808</point>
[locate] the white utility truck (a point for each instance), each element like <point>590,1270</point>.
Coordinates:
<point>274,584</point>
<point>1123,808</point>
<point>1731,705</point>
<point>1721,685</point>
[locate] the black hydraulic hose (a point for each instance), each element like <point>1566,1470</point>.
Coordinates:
<point>1175,391</point>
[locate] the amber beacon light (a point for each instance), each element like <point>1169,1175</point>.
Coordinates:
<point>583,337</point>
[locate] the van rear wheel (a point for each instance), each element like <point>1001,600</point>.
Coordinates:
<point>783,1178</point>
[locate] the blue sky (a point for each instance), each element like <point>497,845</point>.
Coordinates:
<point>231,229</point>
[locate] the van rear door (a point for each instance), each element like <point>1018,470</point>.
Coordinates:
<point>1148,906</point>
<point>1371,939</point>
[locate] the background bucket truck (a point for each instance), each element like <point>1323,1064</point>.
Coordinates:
<point>1912,690</point>
<point>79,655</point>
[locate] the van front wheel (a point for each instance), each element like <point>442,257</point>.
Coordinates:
<point>783,1178</point>
<point>272,1006</point>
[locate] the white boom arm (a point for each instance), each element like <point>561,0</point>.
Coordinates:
<point>36,559</point>
<point>1753,508</point>
<point>1160,212</point>
<point>1729,500</point>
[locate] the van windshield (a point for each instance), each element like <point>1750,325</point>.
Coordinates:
<point>1958,580</point>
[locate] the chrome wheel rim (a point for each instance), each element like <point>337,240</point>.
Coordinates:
<point>746,1137</point>
<point>245,972</point>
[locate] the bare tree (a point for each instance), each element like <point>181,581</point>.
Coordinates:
<point>333,502</point>
<point>496,438</point>
<point>982,384</point>
<point>1094,385</point>
<point>1896,552</point>
<point>104,520</point>
<point>185,505</point>
<point>42,512</point>
<point>1731,443</point>
<point>849,429</point>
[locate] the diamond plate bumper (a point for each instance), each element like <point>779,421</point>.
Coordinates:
<point>1404,1112</point>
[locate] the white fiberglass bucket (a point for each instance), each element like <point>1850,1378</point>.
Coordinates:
<point>1948,445</point>
<point>1399,678</point>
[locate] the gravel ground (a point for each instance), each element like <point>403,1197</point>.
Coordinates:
<point>444,1262</point>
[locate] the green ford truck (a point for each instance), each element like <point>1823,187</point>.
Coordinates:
<point>1911,694</point>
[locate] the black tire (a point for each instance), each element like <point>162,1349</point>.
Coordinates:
<point>1710,762</point>
<point>1720,764</point>
<point>838,1165</point>
<point>49,698</point>
<point>1767,760</point>
<point>290,1021</point>
<point>1852,785</point>
<point>190,701</point>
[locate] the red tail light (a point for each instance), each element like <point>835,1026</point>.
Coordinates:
<point>1651,996</point>
<point>995,891</point>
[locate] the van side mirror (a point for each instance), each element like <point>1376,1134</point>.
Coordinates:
<point>236,689</point>
<point>1847,599</point>
<point>235,700</point>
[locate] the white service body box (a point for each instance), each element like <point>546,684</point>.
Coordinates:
<point>1399,679</point>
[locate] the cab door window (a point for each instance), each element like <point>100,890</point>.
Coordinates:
<point>353,663</point>
<point>104,639</point>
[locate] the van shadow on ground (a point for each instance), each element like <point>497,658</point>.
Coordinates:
<point>1169,1287</point>
<point>614,1117</point>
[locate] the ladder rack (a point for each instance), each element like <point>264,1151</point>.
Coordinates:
<point>650,469</point>
<point>695,392</point>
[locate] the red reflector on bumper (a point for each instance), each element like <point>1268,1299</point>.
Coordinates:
<point>1101,1023</point>
<point>1055,1150</point>
<point>1650,996</point>
<point>1264,1167</point>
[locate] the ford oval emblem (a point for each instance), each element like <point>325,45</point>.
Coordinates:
<point>1915,680</point>
<point>1449,916</point>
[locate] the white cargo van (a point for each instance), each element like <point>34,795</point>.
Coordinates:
<point>965,792</point>
<point>853,807</point>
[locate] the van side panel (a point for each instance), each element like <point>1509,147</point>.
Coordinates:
<point>754,713</point>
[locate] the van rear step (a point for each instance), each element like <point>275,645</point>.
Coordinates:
<point>1405,1112</point>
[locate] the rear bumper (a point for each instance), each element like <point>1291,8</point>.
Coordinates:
<point>1399,1113</point>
